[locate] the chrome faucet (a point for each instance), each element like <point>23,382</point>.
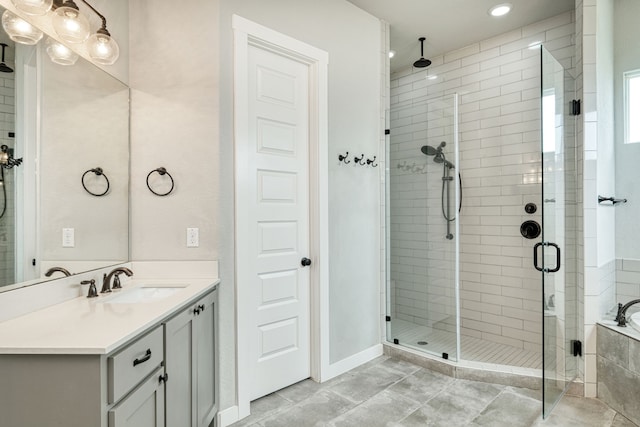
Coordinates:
<point>621,317</point>
<point>57,269</point>
<point>106,279</point>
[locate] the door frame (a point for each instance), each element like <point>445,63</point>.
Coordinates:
<point>246,34</point>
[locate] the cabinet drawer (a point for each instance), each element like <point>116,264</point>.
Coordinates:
<point>131,365</point>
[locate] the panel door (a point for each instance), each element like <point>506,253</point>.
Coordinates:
<point>278,219</point>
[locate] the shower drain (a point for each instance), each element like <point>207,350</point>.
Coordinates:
<point>422,343</point>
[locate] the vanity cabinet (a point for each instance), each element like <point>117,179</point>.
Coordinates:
<point>164,376</point>
<point>144,407</point>
<point>190,363</point>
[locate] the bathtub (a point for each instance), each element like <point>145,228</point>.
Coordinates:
<point>634,321</point>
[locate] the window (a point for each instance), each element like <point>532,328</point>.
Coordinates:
<point>632,107</point>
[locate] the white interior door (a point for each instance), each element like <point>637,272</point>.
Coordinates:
<point>275,230</point>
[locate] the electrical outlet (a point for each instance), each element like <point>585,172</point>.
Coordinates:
<point>193,238</point>
<point>68,238</point>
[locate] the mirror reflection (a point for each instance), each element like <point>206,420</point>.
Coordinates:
<point>60,125</point>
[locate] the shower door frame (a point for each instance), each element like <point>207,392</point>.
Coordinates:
<point>560,325</point>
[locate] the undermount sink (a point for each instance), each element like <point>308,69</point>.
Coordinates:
<point>142,294</point>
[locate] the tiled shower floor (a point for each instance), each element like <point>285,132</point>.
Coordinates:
<point>472,349</point>
<point>388,392</point>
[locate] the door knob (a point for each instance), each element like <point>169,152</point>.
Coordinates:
<point>305,262</point>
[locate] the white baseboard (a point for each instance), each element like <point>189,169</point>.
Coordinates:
<point>228,416</point>
<point>351,362</point>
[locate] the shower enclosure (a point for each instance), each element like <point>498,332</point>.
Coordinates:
<point>462,284</point>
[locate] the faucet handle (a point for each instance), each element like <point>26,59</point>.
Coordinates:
<point>105,285</point>
<point>116,280</point>
<point>93,292</point>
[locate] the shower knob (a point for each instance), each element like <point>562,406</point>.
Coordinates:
<point>530,208</point>
<point>530,229</point>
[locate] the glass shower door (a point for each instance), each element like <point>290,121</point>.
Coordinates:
<point>422,231</point>
<point>555,255</point>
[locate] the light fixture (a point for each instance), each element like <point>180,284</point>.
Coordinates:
<point>500,9</point>
<point>392,53</point>
<point>59,53</point>
<point>19,30</point>
<point>70,24</point>
<point>33,7</point>
<point>103,49</point>
<point>432,77</point>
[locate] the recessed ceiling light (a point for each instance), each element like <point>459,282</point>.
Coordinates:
<point>392,53</point>
<point>432,77</point>
<point>500,9</point>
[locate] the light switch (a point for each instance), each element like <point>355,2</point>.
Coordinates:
<point>193,238</point>
<point>68,238</point>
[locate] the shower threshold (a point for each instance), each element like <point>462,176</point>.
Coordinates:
<point>474,350</point>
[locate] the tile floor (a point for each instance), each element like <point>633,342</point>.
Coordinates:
<point>388,392</point>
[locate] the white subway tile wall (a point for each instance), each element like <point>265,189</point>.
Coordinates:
<point>7,235</point>
<point>497,85</point>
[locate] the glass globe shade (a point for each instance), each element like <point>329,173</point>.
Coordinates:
<point>19,30</point>
<point>103,49</point>
<point>70,24</point>
<point>59,53</point>
<point>33,7</point>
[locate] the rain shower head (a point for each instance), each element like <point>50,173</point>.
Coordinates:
<point>422,63</point>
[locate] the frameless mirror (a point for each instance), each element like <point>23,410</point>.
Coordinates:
<point>65,189</point>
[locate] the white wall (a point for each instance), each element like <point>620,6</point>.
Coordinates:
<point>626,57</point>
<point>499,83</point>
<point>598,174</point>
<point>178,74</point>
<point>174,124</point>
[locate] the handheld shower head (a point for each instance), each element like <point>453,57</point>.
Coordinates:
<point>429,150</point>
<point>437,152</point>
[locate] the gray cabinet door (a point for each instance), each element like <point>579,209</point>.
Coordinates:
<point>204,343</point>
<point>179,363</point>
<point>143,408</point>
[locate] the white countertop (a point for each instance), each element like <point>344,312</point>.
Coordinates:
<point>93,325</point>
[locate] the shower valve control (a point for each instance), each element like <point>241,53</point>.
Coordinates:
<point>530,229</point>
<point>530,208</point>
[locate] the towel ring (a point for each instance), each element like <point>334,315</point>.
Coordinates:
<point>161,171</point>
<point>99,172</point>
